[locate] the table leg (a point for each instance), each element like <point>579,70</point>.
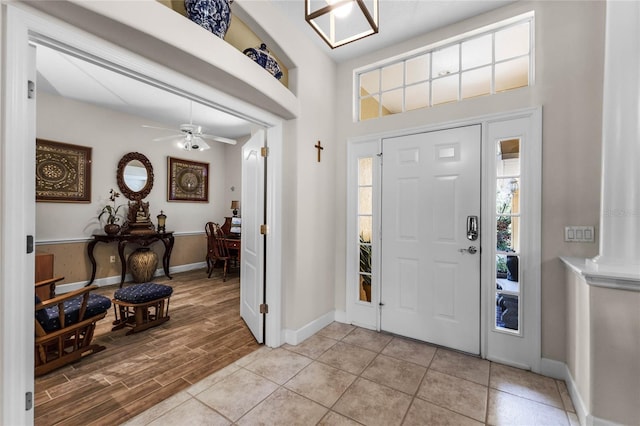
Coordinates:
<point>123,262</point>
<point>92,259</point>
<point>168,248</point>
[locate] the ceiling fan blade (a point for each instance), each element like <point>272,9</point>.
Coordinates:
<point>168,138</point>
<point>158,128</point>
<point>218,139</point>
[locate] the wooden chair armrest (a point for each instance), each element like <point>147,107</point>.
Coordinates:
<point>49,281</point>
<point>66,296</point>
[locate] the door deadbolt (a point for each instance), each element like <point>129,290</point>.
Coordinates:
<point>470,250</point>
<point>472,228</point>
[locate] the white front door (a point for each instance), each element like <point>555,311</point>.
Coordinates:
<point>430,272</point>
<point>253,247</point>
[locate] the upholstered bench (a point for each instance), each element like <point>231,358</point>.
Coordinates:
<point>64,328</point>
<point>141,306</point>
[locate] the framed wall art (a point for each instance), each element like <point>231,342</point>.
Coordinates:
<point>187,180</point>
<point>63,172</point>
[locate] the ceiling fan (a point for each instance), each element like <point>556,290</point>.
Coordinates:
<point>190,137</point>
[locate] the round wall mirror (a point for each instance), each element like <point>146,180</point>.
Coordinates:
<point>135,176</point>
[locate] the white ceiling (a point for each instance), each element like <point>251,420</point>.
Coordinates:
<point>73,78</point>
<point>399,20</point>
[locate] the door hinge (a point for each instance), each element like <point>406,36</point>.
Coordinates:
<point>31,89</point>
<point>29,244</point>
<point>264,229</point>
<point>28,401</point>
<point>264,308</point>
<point>264,151</point>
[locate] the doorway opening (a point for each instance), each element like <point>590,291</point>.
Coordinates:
<point>24,28</point>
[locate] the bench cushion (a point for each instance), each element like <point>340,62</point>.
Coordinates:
<point>142,293</point>
<point>49,317</point>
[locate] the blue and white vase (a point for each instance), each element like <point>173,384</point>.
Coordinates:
<point>263,58</point>
<point>212,15</point>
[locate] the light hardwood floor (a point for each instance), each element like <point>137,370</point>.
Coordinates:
<point>136,372</point>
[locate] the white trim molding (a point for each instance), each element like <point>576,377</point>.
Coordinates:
<point>622,280</point>
<point>115,279</point>
<point>295,337</point>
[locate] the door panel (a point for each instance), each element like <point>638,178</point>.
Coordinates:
<point>430,288</point>
<point>252,257</point>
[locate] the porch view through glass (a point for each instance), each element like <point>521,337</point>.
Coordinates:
<point>507,225</point>
<point>365,224</point>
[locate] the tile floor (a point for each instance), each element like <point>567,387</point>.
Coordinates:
<point>346,375</point>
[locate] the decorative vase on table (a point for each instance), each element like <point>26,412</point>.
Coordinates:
<point>111,228</point>
<point>212,15</point>
<point>142,264</point>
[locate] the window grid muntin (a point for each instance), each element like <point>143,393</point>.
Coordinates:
<point>529,20</point>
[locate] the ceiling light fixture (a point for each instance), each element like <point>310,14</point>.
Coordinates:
<point>337,24</point>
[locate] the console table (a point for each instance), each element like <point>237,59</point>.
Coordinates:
<point>124,239</point>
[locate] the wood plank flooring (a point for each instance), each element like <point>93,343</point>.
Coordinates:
<point>135,372</point>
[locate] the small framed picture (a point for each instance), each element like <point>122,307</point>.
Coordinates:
<point>187,180</point>
<point>63,172</point>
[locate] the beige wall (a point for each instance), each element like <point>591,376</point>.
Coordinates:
<point>233,177</point>
<point>65,228</point>
<point>71,260</point>
<point>615,354</point>
<point>569,38</point>
<point>111,135</point>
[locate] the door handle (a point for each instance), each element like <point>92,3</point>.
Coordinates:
<point>470,250</point>
<point>472,228</point>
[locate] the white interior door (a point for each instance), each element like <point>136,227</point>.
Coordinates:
<point>253,247</point>
<point>430,274</point>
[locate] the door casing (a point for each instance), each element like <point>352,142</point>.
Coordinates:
<point>370,145</point>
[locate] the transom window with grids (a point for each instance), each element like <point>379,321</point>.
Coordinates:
<point>491,60</point>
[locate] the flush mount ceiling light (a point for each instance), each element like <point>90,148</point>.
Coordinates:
<point>339,22</point>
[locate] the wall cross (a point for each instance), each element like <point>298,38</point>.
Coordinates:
<point>319,147</point>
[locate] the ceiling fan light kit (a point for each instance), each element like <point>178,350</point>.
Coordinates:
<point>190,136</point>
<point>339,22</point>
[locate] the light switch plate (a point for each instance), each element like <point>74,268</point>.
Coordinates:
<point>579,234</point>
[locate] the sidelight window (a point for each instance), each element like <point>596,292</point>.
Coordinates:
<point>365,225</point>
<point>508,293</point>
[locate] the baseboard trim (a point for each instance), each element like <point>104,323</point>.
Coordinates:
<point>560,370</point>
<point>295,337</point>
<point>553,368</point>
<point>106,281</point>
<point>340,316</point>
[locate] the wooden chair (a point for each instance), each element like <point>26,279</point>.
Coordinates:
<point>65,325</point>
<point>46,289</point>
<point>217,250</point>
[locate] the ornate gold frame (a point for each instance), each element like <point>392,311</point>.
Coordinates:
<point>187,180</point>
<point>63,172</point>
